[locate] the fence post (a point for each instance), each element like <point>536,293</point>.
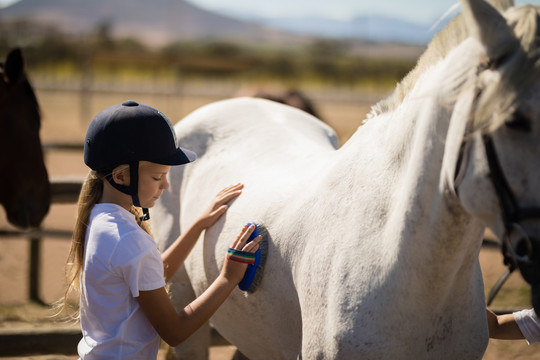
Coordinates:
<point>35,250</point>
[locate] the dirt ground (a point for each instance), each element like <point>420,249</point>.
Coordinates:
<point>64,120</point>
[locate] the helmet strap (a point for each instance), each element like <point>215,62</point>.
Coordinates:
<point>132,189</point>
<point>145,216</point>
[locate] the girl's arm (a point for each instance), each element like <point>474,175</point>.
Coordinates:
<point>175,327</point>
<point>503,327</point>
<point>176,254</point>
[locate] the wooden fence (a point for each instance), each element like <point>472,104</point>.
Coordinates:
<point>61,340</point>
<point>64,190</point>
<point>47,340</point>
<point>39,341</point>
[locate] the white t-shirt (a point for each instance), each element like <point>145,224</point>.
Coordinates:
<point>529,324</point>
<point>120,260</point>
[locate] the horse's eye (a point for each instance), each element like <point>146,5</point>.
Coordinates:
<point>518,121</point>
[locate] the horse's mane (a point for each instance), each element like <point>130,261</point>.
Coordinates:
<point>445,40</point>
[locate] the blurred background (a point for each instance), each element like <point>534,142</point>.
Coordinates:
<point>173,49</point>
<point>83,56</point>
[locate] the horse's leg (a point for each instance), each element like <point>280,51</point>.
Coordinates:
<point>196,346</point>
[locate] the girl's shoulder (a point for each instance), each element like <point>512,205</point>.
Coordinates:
<point>108,216</point>
<point>110,210</point>
<point>115,228</point>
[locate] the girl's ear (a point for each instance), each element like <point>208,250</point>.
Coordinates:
<point>120,175</point>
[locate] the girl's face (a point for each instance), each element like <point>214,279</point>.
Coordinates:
<point>152,182</point>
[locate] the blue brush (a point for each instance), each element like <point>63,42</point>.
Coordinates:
<point>247,283</point>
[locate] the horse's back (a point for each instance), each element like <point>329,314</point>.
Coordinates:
<point>268,146</point>
<point>253,121</point>
<point>238,139</point>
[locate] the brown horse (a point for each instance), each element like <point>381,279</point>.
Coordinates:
<point>292,97</point>
<point>24,183</point>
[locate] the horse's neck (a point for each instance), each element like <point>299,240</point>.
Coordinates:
<point>403,155</point>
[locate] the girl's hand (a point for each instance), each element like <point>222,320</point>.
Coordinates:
<point>233,270</point>
<point>218,205</point>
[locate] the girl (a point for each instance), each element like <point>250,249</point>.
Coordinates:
<point>114,262</point>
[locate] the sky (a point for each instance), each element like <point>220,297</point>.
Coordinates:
<point>418,11</point>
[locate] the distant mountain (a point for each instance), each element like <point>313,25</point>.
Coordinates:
<point>159,22</point>
<point>372,28</point>
<point>154,22</point>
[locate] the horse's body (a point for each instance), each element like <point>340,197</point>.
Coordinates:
<point>24,183</point>
<point>372,248</point>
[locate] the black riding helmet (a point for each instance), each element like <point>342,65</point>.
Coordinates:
<point>126,134</point>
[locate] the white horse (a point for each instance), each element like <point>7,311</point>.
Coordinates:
<point>372,247</point>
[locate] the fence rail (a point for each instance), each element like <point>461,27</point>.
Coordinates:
<point>61,340</point>
<point>65,190</point>
<point>38,341</point>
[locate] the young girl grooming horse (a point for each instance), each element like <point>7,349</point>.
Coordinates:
<point>114,261</point>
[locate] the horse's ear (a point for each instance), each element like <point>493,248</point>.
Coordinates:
<point>14,66</point>
<point>489,27</point>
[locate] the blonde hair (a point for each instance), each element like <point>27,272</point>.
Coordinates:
<point>91,193</point>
